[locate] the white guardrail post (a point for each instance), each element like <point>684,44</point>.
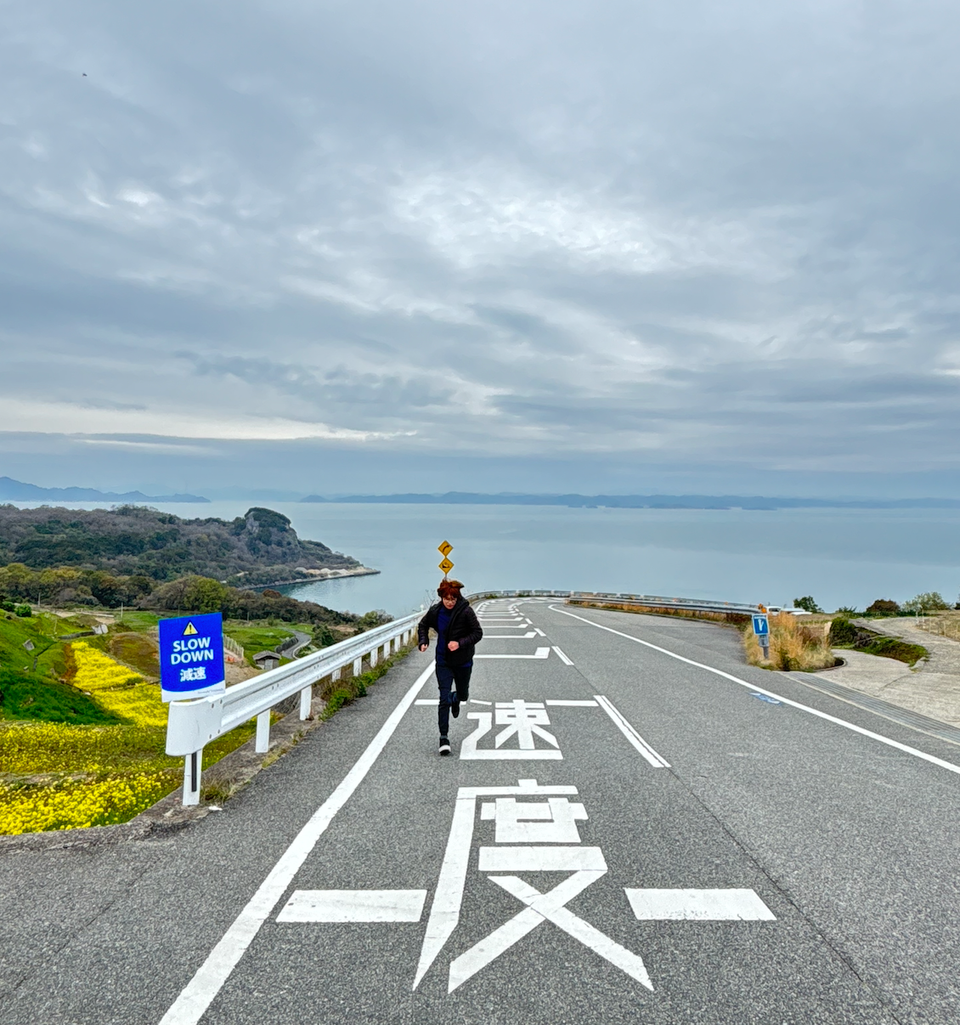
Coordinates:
<point>191,725</point>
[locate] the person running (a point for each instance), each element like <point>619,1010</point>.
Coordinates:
<point>458,631</point>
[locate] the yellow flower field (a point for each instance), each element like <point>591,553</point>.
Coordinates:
<point>77,804</point>
<point>53,748</point>
<point>59,776</point>
<point>116,688</point>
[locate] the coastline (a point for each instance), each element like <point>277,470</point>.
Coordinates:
<point>316,576</point>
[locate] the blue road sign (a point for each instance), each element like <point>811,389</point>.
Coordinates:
<point>191,656</point>
<point>761,626</point>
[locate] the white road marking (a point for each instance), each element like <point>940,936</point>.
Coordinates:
<point>541,653</point>
<point>469,752</point>
<point>509,637</point>
<point>950,766</point>
<point>432,702</point>
<point>546,907</point>
<point>542,859</point>
<point>657,761</point>
<point>445,912</point>
<point>354,906</point>
<point>539,632</point>
<point>699,906</point>
<point>563,658</point>
<point>200,991</point>
<point>571,704</point>
<point>501,939</point>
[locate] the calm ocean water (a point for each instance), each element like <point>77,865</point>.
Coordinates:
<point>841,557</point>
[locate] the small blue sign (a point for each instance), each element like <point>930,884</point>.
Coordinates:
<point>191,656</point>
<point>761,626</point>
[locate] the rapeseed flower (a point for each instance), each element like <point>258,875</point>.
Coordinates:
<point>79,804</point>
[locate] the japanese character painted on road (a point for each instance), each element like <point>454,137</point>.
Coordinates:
<point>524,720</point>
<point>541,827</point>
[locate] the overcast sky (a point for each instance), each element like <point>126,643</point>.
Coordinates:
<point>513,245</point>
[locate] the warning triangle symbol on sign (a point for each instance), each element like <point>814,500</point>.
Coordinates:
<point>191,629</point>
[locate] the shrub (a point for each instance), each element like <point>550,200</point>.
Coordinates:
<point>842,632</point>
<point>893,647</point>
<point>23,610</point>
<point>793,646</point>
<point>807,604</point>
<point>883,607</point>
<point>928,601</point>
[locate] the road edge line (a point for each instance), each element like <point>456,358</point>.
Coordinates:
<point>949,766</point>
<point>194,999</point>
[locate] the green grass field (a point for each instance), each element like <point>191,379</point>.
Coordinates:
<point>256,637</point>
<point>91,754</point>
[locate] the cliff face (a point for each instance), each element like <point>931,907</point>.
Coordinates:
<point>258,547</point>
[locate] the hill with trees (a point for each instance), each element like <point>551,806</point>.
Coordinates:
<point>258,548</point>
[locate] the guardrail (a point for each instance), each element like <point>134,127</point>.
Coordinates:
<point>191,725</point>
<point>653,601</point>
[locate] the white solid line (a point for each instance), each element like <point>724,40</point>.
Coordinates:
<point>541,653</point>
<point>445,912</point>
<point>354,906</point>
<point>198,994</point>
<point>541,859</point>
<point>563,658</point>
<point>539,632</point>
<point>699,906</point>
<point>950,766</point>
<point>657,761</point>
<point>557,702</point>
<point>509,637</point>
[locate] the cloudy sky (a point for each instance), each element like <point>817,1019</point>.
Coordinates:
<point>521,245</point>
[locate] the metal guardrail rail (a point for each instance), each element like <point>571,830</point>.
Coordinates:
<point>653,601</point>
<point>193,724</point>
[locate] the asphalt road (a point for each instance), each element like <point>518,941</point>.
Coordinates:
<point>678,846</point>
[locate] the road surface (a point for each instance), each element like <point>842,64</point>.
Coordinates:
<point>633,827</point>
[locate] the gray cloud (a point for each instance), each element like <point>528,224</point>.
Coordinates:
<point>640,233</point>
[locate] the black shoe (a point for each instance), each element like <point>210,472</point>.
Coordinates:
<point>455,707</point>
<point>444,746</point>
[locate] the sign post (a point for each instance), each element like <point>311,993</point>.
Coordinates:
<point>191,666</point>
<point>445,548</point>
<point>761,627</point>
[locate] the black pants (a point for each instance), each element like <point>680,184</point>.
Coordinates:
<point>447,676</point>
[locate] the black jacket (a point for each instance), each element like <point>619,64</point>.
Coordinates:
<point>464,628</point>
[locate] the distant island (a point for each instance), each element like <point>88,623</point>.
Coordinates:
<point>575,501</point>
<point>257,549</point>
<point>17,491</point>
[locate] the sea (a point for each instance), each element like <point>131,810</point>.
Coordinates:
<point>840,557</point>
